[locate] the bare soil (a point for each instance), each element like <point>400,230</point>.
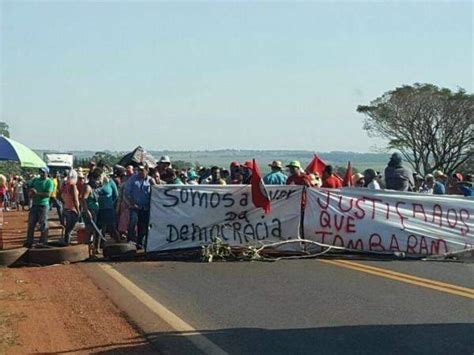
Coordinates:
<point>59,310</point>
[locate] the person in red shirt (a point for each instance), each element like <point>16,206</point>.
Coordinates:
<point>297,175</point>
<point>330,180</point>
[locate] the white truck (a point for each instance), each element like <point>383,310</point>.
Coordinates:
<point>58,161</point>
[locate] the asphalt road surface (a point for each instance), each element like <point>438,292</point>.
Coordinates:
<point>297,306</point>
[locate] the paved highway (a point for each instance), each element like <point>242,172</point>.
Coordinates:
<point>298,306</point>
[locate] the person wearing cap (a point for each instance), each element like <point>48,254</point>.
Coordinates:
<point>163,163</point>
<point>276,176</point>
<point>247,168</point>
<point>235,169</point>
<point>297,175</point>
<point>398,177</point>
<point>370,178</point>
<point>454,184</point>
<point>439,187</point>
<point>137,193</point>
<point>330,180</point>
<point>41,189</point>
<point>192,178</point>
<point>70,197</point>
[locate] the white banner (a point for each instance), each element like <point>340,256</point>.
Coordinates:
<point>380,220</point>
<point>194,215</point>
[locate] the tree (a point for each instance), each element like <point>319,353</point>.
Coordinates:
<point>106,158</point>
<point>431,126</point>
<point>4,129</point>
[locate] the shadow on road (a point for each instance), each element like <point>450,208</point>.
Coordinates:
<point>373,339</point>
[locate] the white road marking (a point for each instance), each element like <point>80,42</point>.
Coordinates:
<point>199,340</point>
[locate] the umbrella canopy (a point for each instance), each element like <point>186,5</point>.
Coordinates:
<point>12,150</point>
<point>138,156</point>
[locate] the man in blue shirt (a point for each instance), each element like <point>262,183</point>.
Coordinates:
<point>137,193</point>
<point>276,177</point>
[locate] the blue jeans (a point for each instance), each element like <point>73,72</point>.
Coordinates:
<point>71,218</point>
<point>56,203</point>
<point>37,215</point>
<point>138,225</point>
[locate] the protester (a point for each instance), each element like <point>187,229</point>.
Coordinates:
<point>396,176</point>
<point>19,194</point>
<point>3,191</point>
<point>237,179</point>
<point>235,169</point>
<point>170,177</point>
<point>70,197</point>
<point>90,204</point>
<point>163,164</point>
<point>454,184</point>
<point>81,181</point>
<point>55,201</point>
<point>216,178</point>
<point>297,175</point>
<point>370,178</point>
<point>123,211</point>
<point>358,180</point>
<point>428,186</point>
<point>192,178</point>
<point>439,187</point>
<point>137,193</point>
<point>41,189</point>
<point>466,186</point>
<point>315,180</point>
<point>106,218</point>
<point>418,179</point>
<point>183,176</point>
<point>276,176</point>
<point>247,172</point>
<point>330,180</point>
<point>225,175</point>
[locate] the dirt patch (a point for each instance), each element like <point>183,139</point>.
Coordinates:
<point>58,309</point>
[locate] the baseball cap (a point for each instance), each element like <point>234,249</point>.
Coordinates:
<point>438,173</point>
<point>44,169</point>
<point>295,164</point>
<point>234,164</point>
<point>248,164</point>
<point>192,175</point>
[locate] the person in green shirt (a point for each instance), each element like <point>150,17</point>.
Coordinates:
<point>40,189</point>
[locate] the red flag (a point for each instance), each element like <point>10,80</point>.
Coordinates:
<point>348,177</point>
<point>260,196</point>
<point>316,166</point>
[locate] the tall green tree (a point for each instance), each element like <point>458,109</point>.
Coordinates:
<point>431,126</point>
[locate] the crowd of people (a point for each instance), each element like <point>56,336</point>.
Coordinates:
<point>116,200</point>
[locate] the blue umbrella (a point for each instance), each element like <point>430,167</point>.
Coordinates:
<point>14,151</point>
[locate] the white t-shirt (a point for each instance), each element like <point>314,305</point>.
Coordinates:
<point>373,185</point>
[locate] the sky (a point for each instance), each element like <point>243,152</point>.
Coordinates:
<point>180,75</point>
